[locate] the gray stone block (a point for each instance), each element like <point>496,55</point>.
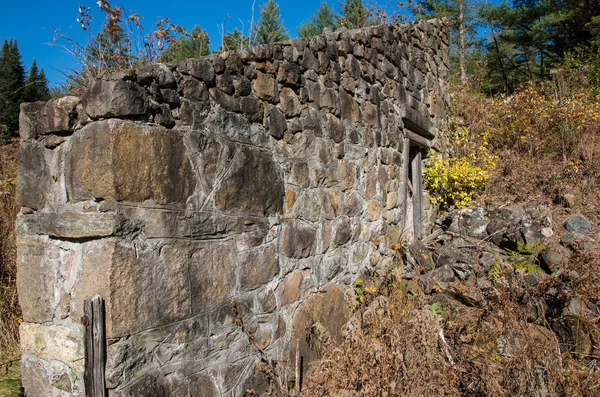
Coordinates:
<point>115,99</point>
<point>33,175</point>
<point>35,279</point>
<point>126,161</point>
<point>577,224</point>
<point>42,118</point>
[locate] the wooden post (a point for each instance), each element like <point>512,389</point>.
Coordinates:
<point>89,346</point>
<point>95,347</point>
<point>417,183</point>
<point>298,369</point>
<point>404,193</point>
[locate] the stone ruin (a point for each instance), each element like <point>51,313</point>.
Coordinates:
<point>263,176</point>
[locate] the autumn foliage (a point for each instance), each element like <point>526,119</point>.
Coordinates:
<point>535,145</point>
<point>119,41</point>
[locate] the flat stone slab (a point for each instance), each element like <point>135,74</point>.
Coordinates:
<point>69,225</point>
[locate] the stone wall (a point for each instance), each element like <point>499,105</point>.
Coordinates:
<point>265,176</point>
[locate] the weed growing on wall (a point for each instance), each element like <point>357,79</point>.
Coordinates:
<point>117,40</point>
<point>362,290</point>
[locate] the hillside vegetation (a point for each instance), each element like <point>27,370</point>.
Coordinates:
<point>10,312</point>
<point>521,319</point>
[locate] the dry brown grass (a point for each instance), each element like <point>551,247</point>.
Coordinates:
<point>586,266</point>
<point>547,137</point>
<point>394,347</point>
<point>10,312</point>
<point>391,350</point>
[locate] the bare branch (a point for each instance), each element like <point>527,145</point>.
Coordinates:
<point>251,25</point>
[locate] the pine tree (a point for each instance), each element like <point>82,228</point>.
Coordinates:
<point>571,23</point>
<point>270,26</point>
<point>36,86</point>
<point>196,45</point>
<point>12,79</point>
<point>319,21</point>
<point>462,20</point>
<point>354,14</point>
<point>43,89</point>
<point>233,40</point>
<point>529,38</point>
<point>30,90</point>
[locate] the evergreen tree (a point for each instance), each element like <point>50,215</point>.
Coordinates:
<point>501,73</point>
<point>30,89</point>
<point>319,21</point>
<point>571,23</point>
<point>528,38</point>
<point>43,89</point>
<point>270,27</point>
<point>36,86</point>
<point>461,16</point>
<point>188,47</point>
<point>233,40</point>
<point>528,31</point>
<point>354,14</point>
<point>12,79</point>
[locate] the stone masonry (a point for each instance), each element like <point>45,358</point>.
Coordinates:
<point>264,176</point>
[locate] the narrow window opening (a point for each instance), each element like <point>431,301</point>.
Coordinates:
<point>415,150</point>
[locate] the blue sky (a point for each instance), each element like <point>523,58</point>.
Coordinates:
<point>31,23</point>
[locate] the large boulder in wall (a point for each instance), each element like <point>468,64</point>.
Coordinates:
<point>320,317</point>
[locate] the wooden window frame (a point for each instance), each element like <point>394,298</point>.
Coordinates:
<point>415,144</point>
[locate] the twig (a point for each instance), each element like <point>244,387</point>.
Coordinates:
<point>403,362</point>
<point>432,236</point>
<point>6,365</point>
<point>445,348</point>
<point>593,387</point>
<point>556,341</point>
<point>241,45</point>
<point>251,25</point>
<point>587,355</point>
<point>223,31</point>
<point>477,241</point>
